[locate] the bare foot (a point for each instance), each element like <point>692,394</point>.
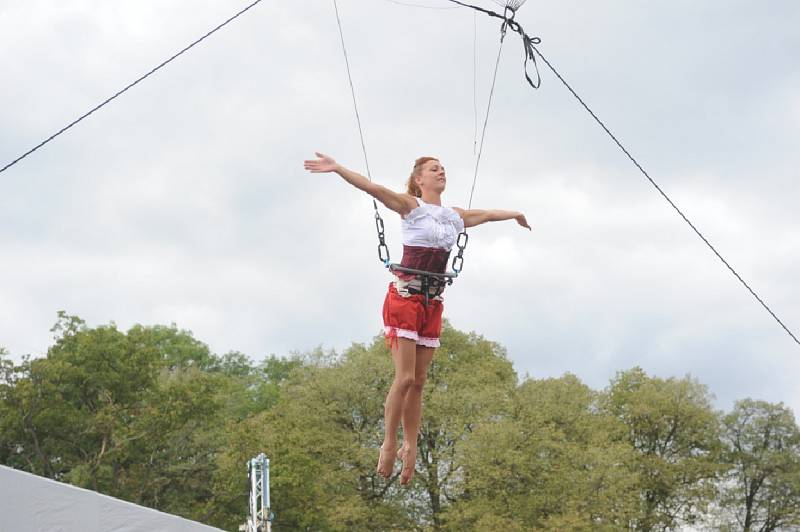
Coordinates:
<point>409,456</point>
<point>401,452</point>
<point>386,461</point>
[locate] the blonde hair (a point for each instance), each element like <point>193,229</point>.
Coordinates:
<point>412,186</point>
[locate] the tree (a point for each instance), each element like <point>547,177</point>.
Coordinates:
<point>550,463</point>
<point>322,437</point>
<point>324,432</point>
<point>66,406</point>
<point>152,416</point>
<point>675,432</point>
<point>7,414</point>
<point>470,382</point>
<point>136,415</point>
<point>762,443</point>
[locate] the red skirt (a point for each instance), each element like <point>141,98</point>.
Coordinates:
<point>409,317</point>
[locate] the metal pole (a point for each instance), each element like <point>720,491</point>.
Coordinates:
<point>267,512</point>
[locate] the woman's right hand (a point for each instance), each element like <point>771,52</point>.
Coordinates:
<point>325,163</point>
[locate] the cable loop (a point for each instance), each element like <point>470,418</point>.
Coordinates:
<point>528,42</point>
<point>505,14</point>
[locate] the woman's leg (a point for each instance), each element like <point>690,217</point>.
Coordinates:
<point>412,413</point>
<point>404,356</point>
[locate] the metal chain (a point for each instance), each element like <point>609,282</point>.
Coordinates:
<point>383,249</point>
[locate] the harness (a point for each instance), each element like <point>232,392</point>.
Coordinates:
<point>429,284</point>
<point>422,271</point>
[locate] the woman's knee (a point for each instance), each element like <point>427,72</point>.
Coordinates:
<point>419,382</point>
<point>404,381</point>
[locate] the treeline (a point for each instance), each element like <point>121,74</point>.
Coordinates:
<point>152,416</point>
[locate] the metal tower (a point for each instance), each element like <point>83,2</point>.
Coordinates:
<point>260,518</point>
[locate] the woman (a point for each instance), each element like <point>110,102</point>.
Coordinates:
<point>413,321</point>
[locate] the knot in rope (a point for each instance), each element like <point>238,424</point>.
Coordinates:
<point>528,42</point>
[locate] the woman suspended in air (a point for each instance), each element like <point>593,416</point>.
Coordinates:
<point>412,319</point>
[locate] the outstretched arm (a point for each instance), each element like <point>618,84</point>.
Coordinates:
<point>399,203</point>
<point>475,217</point>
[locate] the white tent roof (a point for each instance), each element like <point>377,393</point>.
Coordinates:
<point>29,503</point>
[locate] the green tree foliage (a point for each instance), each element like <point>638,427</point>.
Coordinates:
<point>150,415</point>
<point>68,405</point>
<point>7,383</point>
<point>762,490</point>
<point>324,432</point>
<point>322,437</point>
<point>675,433</point>
<point>549,462</point>
<point>470,382</point>
<point>136,415</point>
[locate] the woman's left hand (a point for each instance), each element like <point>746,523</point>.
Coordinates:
<point>520,218</point>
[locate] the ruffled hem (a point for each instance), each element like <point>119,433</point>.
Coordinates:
<point>393,333</point>
<point>428,342</point>
<point>401,333</point>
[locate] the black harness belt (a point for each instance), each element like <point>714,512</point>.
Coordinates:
<point>427,266</point>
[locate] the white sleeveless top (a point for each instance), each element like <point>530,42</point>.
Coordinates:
<point>431,226</point>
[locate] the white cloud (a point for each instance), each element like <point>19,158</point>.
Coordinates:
<point>185,199</point>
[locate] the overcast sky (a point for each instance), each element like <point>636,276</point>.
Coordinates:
<point>185,200</point>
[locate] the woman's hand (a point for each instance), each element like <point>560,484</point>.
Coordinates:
<point>520,218</point>
<point>325,163</point>
<point>473,217</point>
<point>399,203</point>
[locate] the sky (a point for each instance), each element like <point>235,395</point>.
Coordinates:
<point>185,200</point>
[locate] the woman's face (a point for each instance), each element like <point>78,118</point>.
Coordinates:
<point>432,177</point>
